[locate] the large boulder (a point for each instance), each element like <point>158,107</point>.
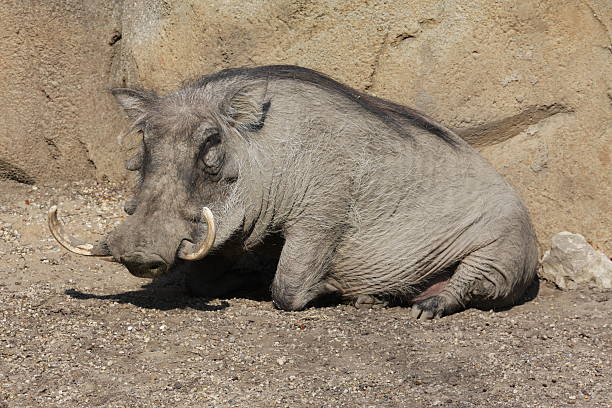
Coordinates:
<point>526,82</point>
<point>571,262</point>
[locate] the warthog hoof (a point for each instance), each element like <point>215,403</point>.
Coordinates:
<point>370,302</point>
<point>429,308</point>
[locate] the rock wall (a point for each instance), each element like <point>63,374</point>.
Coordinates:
<point>529,83</point>
<point>56,120</point>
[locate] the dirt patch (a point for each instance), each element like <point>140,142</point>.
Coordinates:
<point>77,332</point>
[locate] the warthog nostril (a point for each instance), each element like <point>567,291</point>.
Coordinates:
<point>144,265</point>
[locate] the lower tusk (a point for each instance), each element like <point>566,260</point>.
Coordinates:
<point>71,244</point>
<point>208,241</point>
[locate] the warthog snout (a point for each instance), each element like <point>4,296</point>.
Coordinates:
<point>138,262</point>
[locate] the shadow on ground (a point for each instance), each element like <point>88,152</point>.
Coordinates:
<point>152,300</point>
<point>169,292</point>
<point>165,293</point>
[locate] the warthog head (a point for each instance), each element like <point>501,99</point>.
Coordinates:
<point>191,191</point>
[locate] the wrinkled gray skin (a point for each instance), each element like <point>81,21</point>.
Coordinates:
<point>374,201</point>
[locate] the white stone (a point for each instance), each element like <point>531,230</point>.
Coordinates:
<point>571,262</point>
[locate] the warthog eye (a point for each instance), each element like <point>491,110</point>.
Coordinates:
<point>213,159</point>
<point>212,154</point>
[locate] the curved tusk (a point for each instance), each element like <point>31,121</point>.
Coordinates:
<point>208,242</point>
<point>71,244</point>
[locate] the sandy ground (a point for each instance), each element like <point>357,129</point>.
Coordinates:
<point>76,332</point>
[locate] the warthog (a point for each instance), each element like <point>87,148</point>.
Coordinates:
<point>372,201</point>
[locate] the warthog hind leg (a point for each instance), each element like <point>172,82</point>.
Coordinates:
<point>481,279</point>
<point>435,306</point>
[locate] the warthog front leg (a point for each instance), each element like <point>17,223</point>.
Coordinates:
<point>370,302</point>
<point>303,264</point>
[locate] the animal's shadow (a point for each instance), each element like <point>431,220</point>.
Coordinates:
<point>530,294</point>
<point>172,291</point>
<point>166,293</point>
<point>221,275</point>
<point>194,285</point>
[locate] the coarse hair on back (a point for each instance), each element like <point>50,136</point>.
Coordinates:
<point>393,114</point>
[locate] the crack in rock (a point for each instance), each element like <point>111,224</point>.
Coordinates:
<point>376,65</point>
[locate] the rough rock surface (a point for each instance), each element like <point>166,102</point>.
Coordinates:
<point>57,122</point>
<point>571,262</point>
<point>526,82</point>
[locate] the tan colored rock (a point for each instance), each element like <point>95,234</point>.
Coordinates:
<point>527,82</point>
<point>56,120</point>
<point>571,262</point>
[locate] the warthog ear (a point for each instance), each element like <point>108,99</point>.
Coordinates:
<point>135,102</point>
<point>247,107</point>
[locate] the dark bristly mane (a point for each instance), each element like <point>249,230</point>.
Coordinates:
<point>392,113</point>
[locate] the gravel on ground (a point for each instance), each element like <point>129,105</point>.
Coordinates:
<point>78,332</point>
